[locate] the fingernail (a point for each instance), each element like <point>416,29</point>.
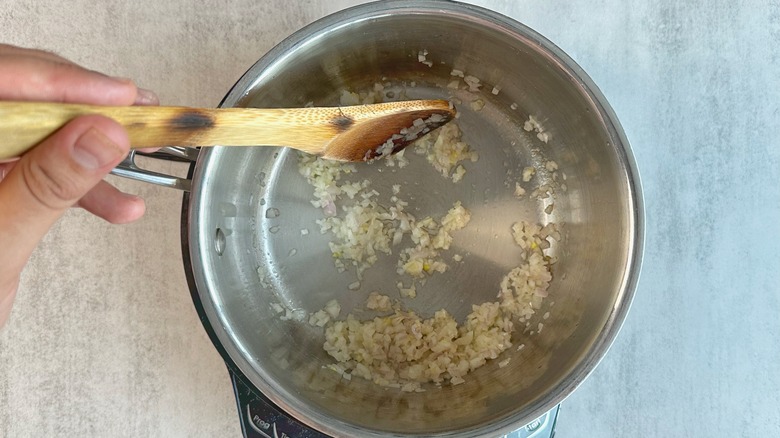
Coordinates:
<point>94,150</point>
<point>131,197</point>
<point>146,97</point>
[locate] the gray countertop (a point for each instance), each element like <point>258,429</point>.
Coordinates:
<point>104,341</point>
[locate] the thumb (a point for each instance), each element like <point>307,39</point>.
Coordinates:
<point>51,178</point>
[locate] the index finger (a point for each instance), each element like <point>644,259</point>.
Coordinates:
<point>7,49</point>
<point>36,76</point>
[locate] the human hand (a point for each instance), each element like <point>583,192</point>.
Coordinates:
<point>67,168</point>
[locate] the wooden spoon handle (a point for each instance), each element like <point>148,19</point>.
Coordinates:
<point>25,124</point>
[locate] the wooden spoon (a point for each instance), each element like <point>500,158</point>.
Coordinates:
<point>349,133</point>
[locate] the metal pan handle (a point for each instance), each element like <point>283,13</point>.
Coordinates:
<point>129,169</point>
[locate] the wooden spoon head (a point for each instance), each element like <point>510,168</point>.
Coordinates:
<point>370,131</point>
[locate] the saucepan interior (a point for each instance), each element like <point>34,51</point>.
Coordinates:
<point>250,206</point>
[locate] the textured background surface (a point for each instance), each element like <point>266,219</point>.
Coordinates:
<point>104,341</point>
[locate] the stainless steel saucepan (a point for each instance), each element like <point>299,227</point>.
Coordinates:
<point>242,221</point>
